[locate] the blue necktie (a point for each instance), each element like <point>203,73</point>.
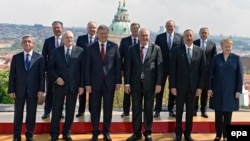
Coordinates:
<point>169,42</point>
<point>27,62</point>
<point>67,56</point>
<point>134,41</point>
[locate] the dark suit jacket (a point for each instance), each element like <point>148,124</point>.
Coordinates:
<point>83,41</point>
<point>161,40</point>
<point>185,76</point>
<point>151,68</point>
<point>209,52</point>
<point>126,42</point>
<point>21,80</point>
<point>225,79</point>
<point>96,70</point>
<point>73,73</point>
<point>48,47</point>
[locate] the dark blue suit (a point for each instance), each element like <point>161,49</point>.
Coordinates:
<point>83,42</point>
<point>102,76</point>
<point>25,85</point>
<point>124,45</point>
<point>161,40</point>
<point>186,78</point>
<point>210,51</point>
<point>225,79</point>
<point>72,74</point>
<point>48,47</point>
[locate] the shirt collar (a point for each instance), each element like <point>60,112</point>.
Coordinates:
<point>102,43</point>
<point>146,46</point>
<point>58,37</point>
<point>70,48</point>
<point>189,46</point>
<point>93,36</point>
<point>172,34</point>
<point>30,53</point>
<point>203,40</point>
<point>134,38</point>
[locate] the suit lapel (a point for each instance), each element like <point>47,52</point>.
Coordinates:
<point>33,59</point>
<point>107,51</point>
<point>149,52</point>
<point>22,60</point>
<point>194,53</point>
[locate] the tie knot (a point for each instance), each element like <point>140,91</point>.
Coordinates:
<point>27,54</point>
<point>142,47</point>
<point>102,45</point>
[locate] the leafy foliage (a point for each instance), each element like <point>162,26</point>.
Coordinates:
<point>4,97</point>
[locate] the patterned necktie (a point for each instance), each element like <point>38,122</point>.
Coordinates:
<point>189,55</point>
<point>203,45</point>
<point>90,40</point>
<point>169,42</point>
<point>27,62</point>
<point>102,52</point>
<point>57,42</point>
<point>67,56</point>
<point>141,54</point>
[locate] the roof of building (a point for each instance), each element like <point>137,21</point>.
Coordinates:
<point>121,21</point>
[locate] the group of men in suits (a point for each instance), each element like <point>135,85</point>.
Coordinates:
<point>98,65</point>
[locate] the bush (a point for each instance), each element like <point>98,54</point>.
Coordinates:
<point>4,97</point>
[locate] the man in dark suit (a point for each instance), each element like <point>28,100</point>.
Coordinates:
<point>26,84</point>
<point>66,66</point>
<point>102,78</point>
<point>143,78</point>
<point>209,48</point>
<point>84,41</point>
<point>167,41</point>
<point>124,45</point>
<point>49,45</point>
<point>186,81</point>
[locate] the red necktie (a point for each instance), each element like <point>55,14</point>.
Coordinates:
<point>141,53</point>
<point>102,52</point>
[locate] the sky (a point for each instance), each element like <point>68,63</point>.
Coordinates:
<point>227,17</point>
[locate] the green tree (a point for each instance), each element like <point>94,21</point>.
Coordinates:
<point>4,97</point>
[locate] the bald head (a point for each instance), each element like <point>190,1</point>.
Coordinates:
<point>144,36</point>
<point>68,38</point>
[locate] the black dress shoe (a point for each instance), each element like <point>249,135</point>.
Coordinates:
<point>195,114</point>
<point>172,114</point>
<point>124,114</point>
<point>217,138</point>
<point>17,139</point>
<point>53,139</point>
<point>188,138</point>
<point>148,138</point>
<point>67,138</point>
<point>79,114</point>
<point>94,138</point>
<point>107,137</point>
<point>29,139</point>
<point>134,137</point>
<point>45,115</point>
<point>178,138</point>
<point>204,114</point>
<point>157,114</point>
